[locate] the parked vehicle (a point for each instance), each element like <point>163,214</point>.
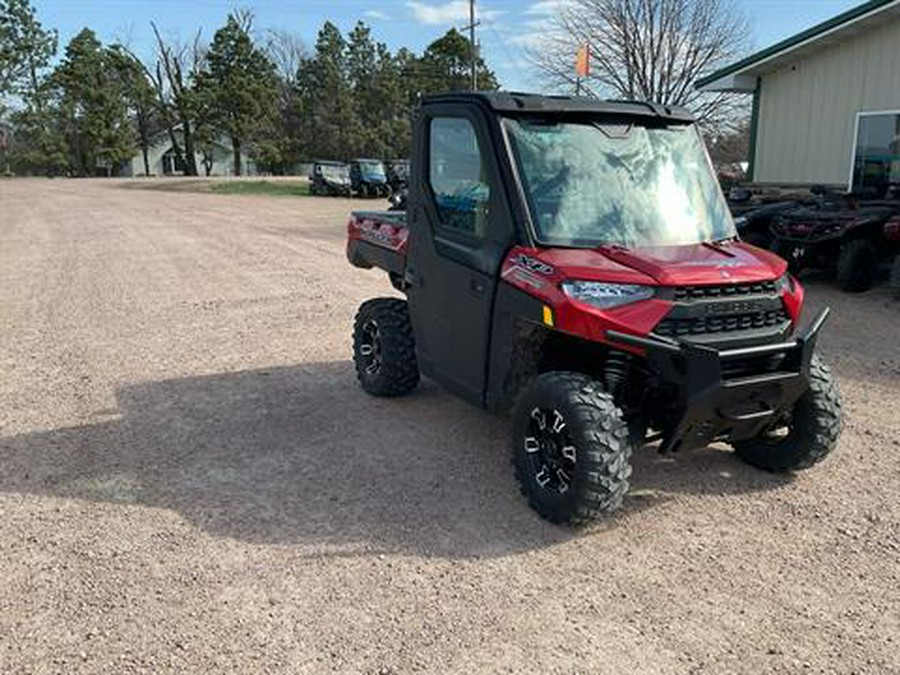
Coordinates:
<point>368,178</point>
<point>329,178</point>
<point>544,274</point>
<point>892,235</point>
<point>397,171</point>
<point>753,218</point>
<point>847,237</point>
<point>397,200</point>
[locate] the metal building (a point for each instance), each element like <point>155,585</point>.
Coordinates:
<point>826,102</point>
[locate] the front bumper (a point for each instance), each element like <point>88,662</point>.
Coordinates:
<point>713,404</point>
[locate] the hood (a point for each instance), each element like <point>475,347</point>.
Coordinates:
<point>692,264</point>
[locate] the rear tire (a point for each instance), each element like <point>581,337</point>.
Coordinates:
<point>571,448</point>
<point>813,433</point>
<point>856,266</point>
<point>384,350</point>
<point>895,278</point>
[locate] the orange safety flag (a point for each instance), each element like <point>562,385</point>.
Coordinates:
<point>583,61</point>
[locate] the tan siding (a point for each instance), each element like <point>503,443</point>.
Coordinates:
<point>808,109</point>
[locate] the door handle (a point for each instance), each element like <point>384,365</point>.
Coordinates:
<point>476,286</point>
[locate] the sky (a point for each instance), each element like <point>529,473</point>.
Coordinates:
<point>507,25</point>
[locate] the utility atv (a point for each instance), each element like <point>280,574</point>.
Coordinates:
<point>574,261</point>
<point>753,215</point>
<point>368,178</point>
<point>329,178</point>
<point>846,237</point>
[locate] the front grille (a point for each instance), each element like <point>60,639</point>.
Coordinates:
<point>726,291</point>
<point>676,327</point>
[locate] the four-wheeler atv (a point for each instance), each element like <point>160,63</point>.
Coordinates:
<point>753,215</point>
<point>369,178</point>
<point>847,237</point>
<point>574,261</point>
<point>329,178</point>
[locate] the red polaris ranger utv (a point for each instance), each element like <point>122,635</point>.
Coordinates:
<point>575,260</point>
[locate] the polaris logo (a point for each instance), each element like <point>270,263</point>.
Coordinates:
<point>533,265</point>
<point>736,307</point>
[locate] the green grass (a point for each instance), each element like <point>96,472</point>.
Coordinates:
<point>262,187</point>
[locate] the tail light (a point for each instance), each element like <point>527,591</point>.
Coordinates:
<point>892,228</point>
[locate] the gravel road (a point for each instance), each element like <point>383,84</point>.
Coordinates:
<point>190,480</point>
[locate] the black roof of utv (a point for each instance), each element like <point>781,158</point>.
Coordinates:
<point>507,102</point>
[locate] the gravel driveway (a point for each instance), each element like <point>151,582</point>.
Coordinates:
<point>191,481</point>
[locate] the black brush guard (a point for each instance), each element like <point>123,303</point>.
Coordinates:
<point>710,405</point>
<point>816,233</point>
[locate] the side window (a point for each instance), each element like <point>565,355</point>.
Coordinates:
<point>458,176</point>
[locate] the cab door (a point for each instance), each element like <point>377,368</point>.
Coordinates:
<point>460,229</point>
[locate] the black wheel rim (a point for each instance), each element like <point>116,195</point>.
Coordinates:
<point>551,453</point>
<point>370,348</point>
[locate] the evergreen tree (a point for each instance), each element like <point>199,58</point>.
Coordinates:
<point>240,87</point>
<point>446,66</point>
<point>140,96</point>
<point>25,48</point>
<point>326,102</point>
<point>93,107</point>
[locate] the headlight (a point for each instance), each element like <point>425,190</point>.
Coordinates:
<point>603,295</point>
<point>784,283</point>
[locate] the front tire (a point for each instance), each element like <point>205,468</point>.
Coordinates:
<point>384,350</point>
<point>571,448</point>
<point>856,266</point>
<point>812,431</point>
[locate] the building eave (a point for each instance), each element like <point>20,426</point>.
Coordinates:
<point>741,76</point>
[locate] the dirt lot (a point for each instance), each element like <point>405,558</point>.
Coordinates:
<point>191,481</point>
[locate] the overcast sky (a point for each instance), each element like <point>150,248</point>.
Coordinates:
<point>507,25</point>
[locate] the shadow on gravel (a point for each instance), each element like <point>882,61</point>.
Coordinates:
<point>301,455</point>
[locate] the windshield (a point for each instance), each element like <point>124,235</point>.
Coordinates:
<point>591,183</point>
<point>372,170</point>
<point>336,173</point>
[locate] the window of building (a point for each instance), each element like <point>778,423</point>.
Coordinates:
<point>876,159</point>
<point>457,175</point>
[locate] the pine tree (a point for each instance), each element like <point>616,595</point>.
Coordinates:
<point>326,101</point>
<point>446,66</point>
<point>240,87</point>
<point>93,107</point>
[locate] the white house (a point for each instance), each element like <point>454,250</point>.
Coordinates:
<point>162,160</point>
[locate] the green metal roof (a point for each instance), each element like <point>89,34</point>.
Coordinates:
<point>794,40</point>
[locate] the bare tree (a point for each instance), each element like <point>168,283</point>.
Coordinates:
<point>651,50</point>
<point>174,67</point>
<point>286,50</point>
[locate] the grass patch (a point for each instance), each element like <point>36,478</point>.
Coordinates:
<point>262,187</point>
